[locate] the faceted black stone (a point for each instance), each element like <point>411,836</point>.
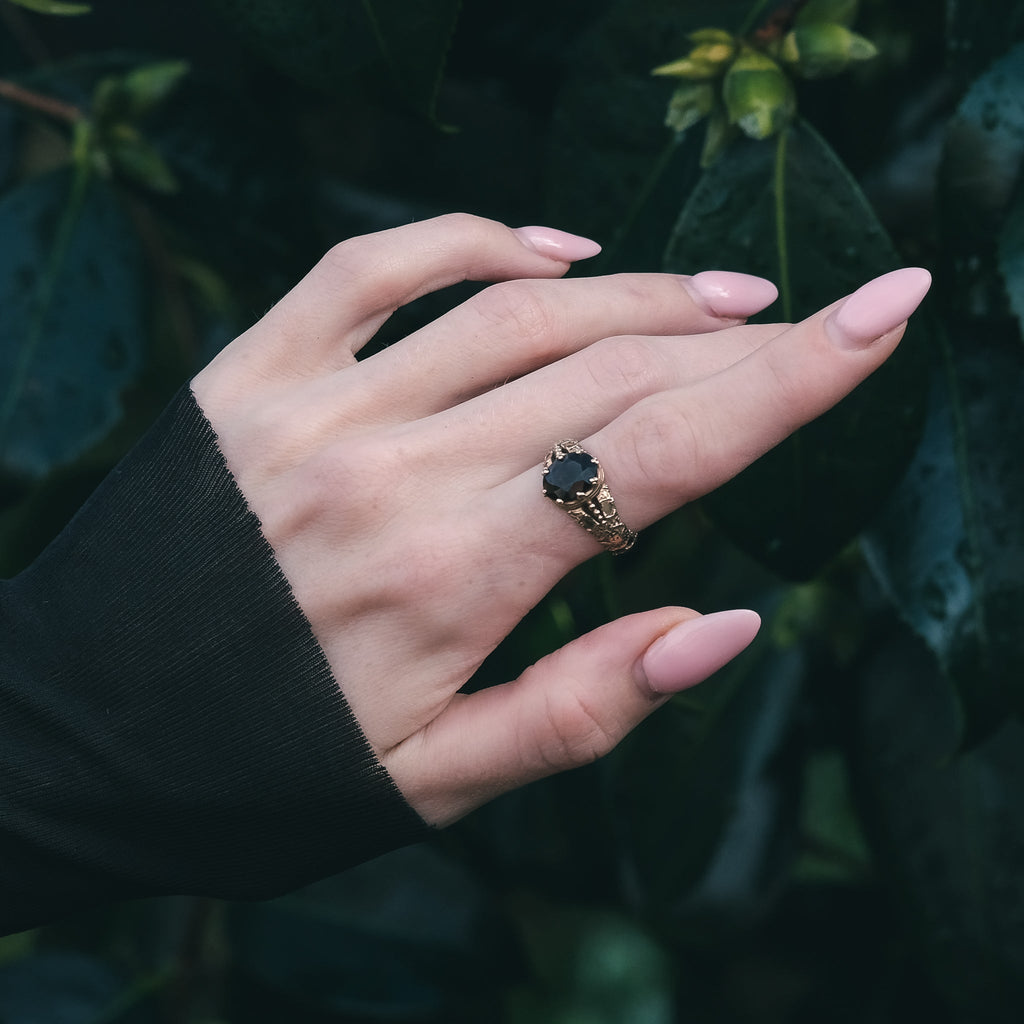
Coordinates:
<point>569,479</point>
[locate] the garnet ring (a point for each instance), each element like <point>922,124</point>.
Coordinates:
<point>574,481</point>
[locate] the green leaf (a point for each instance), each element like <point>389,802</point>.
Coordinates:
<point>71,320</point>
<point>833,844</point>
<point>982,160</point>
<point>947,833</point>
<point>689,104</point>
<point>69,987</point>
<point>408,936</point>
<point>705,754</point>
<point>983,155</point>
<point>591,966</point>
<point>949,547</point>
<point>131,155</point>
<point>820,51</point>
<point>53,7</point>
<point>322,43</point>
<point>799,505</point>
<point>130,97</point>
<point>1011,257</point>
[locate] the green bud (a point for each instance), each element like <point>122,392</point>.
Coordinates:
<point>695,70</point>
<point>819,51</point>
<point>713,50</point>
<point>715,54</point>
<point>828,12</point>
<point>758,95</point>
<point>689,103</point>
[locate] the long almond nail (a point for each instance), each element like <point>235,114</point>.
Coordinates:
<point>557,245</point>
<point>729,295</point>
<point>695,649</point>
<point>878,307</point>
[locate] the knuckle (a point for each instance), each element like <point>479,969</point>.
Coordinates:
<point>665,439</point>
<point>575,733</point>
<point>627,365</point>
<point>788,388</point>
<point>463,224</point>
<point>518,305</point>
<point>346,260</point>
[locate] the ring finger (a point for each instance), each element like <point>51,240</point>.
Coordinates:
<point>678,444</point>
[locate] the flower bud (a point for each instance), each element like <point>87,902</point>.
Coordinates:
<point>758,95</point>
<point>818,51</point>
<point>713,49</point>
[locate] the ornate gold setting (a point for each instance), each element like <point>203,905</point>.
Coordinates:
<point>593,509</point>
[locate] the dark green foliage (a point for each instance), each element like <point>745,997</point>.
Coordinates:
<point>74,333</point>
<point>802,503</point>
<point>830,830</point>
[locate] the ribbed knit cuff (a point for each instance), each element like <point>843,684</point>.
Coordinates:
<point>168,722</point>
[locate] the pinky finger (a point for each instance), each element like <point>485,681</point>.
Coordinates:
<point>567,710</point>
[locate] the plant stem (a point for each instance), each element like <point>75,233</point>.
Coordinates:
<point>37,101</point>
<point>45,291</point>
<point>752,15</point>
<point>781,243</point>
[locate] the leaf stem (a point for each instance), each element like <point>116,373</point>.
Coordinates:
<point>781,242</point>
<point>37,101</point>
<point>45,291</point>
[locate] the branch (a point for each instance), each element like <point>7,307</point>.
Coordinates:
<point>37,101</point>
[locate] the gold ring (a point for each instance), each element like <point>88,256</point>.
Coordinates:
<point>574,481</point>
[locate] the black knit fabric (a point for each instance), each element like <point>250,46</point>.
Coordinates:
<point>168,722</point>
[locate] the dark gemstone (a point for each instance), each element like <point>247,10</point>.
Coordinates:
<point>569,479</point>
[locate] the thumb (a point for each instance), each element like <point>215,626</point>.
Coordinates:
<point>567,710</point>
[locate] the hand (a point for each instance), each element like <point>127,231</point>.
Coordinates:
<point>402,493</point>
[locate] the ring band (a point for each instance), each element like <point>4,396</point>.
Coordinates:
<point>574,481</point>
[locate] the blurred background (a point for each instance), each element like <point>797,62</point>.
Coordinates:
<point>829,829</point>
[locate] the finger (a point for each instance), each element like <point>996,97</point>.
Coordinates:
<point>569,709</point>
<point>345,298</point>
<point>512,328</point>
<point>677,445</point>
<point>586,390</point>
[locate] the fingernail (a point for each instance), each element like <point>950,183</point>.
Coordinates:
<point>695,649</point>
<point>876,308</point>
<point>723,293</point>
<point>557,245</point>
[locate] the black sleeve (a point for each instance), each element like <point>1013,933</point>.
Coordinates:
<point>168,723</point>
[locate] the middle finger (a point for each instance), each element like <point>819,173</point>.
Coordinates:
<point>512,328</point>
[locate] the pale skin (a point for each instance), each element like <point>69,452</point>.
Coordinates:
<point>402,497</point>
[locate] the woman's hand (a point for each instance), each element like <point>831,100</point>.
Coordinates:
<point>402,493</point>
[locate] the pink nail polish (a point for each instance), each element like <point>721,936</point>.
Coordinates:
<point>723,293</point>
<point>878,307</point>
<point>695,649</point>
<point>557,245</point>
